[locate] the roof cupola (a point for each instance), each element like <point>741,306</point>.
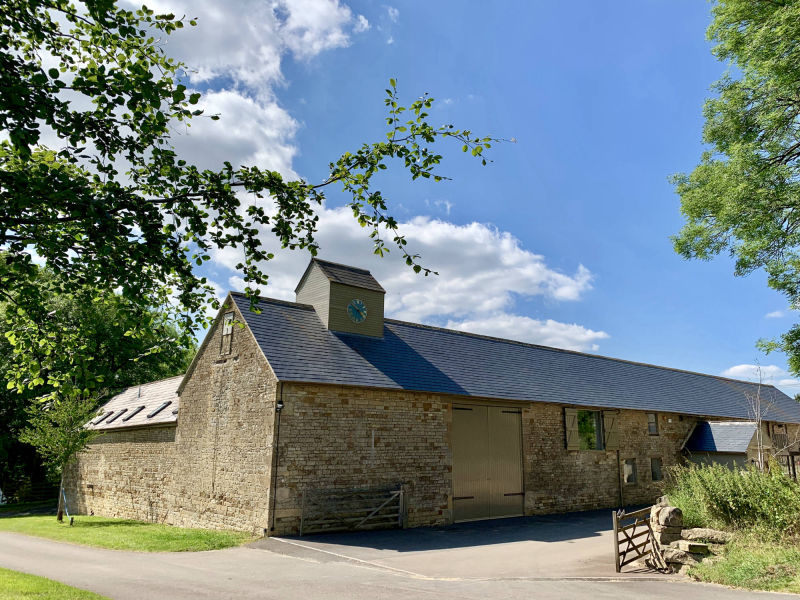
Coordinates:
<point>347,299</point>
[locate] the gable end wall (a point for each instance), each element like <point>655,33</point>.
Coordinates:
<point>213,470</point>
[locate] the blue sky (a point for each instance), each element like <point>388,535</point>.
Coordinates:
<point>565,238</point>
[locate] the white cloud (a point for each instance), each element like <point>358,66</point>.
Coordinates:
<point>394,14</point>
<point>245,40</point>
<point>390,40</point>
<point>524,329</point>
<point>311,26</point>
<point>775,314</point>
<point>361,24</point>
<point>481,273</point>
<point>769,374</point>
<point>237,49</point>
<point>443,205</point>
<point>249,132</point>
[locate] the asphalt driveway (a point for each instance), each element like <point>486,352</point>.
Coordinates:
<point>573,545</point>
<point>510,559</point>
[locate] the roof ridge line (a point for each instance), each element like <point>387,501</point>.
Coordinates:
<point>350,267</point>
<point>576,352</point>
<point>154,381</point>
<point>274,300</point>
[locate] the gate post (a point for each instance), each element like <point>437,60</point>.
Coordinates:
<point>615,522</point>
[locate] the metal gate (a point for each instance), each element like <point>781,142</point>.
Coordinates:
<point>487,462</point>
<point>348,509</point>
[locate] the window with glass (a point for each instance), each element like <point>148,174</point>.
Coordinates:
<point>227,334</point>
<point>590,429</point>
<point>655,469</point>
<point>652,423</point>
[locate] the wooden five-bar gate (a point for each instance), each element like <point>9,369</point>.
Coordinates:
<point>634,538</point>
<point>350,509</point>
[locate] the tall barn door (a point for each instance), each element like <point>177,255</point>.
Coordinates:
<point>487,462</point>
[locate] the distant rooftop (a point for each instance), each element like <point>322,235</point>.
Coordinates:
<point>721,436</point>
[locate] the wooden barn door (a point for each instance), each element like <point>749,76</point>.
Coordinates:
<point>487,462</point>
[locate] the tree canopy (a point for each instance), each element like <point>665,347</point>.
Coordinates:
<point>109,361</point>
<point>744,196</point>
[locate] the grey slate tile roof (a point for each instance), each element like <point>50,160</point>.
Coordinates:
<point>715,436</point>
<point>344,274</point>
<point>417,357</point>
<point>149,395</point>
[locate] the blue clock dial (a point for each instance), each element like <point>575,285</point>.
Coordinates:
<point>357,311</point>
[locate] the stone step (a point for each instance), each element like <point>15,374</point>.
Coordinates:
<point>703,533</point>
<point>690,546</point>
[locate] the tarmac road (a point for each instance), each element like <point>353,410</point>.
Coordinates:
<point>280,569</point>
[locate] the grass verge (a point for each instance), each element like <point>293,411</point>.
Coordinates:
<point>15,585</point>
<point>124,534</point>
<point>752,563</point>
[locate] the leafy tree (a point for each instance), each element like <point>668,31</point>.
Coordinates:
<point>743,197</point>
<point>57,430</point>
<point>89,340</point>
<point>114,207</point>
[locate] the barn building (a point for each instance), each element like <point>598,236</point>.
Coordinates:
<point>321,413</point>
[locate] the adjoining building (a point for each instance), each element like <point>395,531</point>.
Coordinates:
<point>326,398</point>
<point>735,444</point>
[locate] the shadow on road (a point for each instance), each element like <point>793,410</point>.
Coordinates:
<point>548,528</point>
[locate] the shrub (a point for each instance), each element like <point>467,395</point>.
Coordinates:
<point>716,496</point>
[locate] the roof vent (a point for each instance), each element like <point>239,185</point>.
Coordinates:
<point>135,412</point>
<point>104,417</point>
<point>117,416</point>
<point>153,413</point>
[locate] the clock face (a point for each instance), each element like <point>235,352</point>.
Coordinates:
<point>357,311</point>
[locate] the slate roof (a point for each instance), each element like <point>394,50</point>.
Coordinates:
<point>150,396</point>
<point>715,436</point>
<point>344,274</point>
<point>422,358</point>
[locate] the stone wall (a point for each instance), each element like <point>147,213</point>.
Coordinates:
<point>344,437</point>
<point>213,470</point>
<point>558,480</point>
<point>338,437</point>
<point>127,474</point>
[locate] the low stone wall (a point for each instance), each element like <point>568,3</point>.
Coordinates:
<point>680,548</point>
<point>126,474</point>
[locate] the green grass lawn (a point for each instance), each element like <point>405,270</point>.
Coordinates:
<point>123,534</point>
<point>21,586</point>
<point>756,564</point>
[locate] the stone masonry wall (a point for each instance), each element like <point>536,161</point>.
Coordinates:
<point>213,470</point>
<point>125,474</point>
<point>560,480</point>
<point>326,442</point>
<point>345,437</point>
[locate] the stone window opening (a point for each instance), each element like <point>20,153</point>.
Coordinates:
<point>227,334</point>
<point>629,471</point>
<point>652,423</point>
<point>591,429</point>
<point>656,472</point>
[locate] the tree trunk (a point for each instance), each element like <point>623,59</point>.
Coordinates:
<point>60,515</point>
